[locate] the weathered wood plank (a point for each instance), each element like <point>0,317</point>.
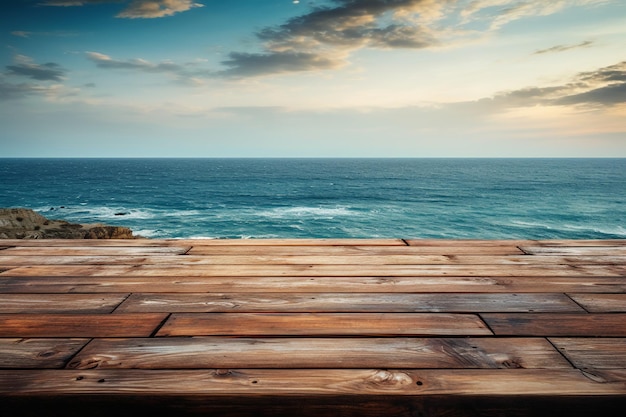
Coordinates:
<point>468,243</point>
<point>322,324</point>
<point>356,270</point>
<point>165,284</point>
<point>342,302</point>
<point>37,251</point>
<point>575,250</point>
<point>344,250</point>
<point>326,382</point>
<point>59,303</point>
<point>580,242</point>
<point>80,325</point>
<point>593,353</point>
<point>544,324</point>
<point>301,353</point>
<point>359,259</point>
<point>601,303</point>
<point>295,242</point>
<point>38,353</point>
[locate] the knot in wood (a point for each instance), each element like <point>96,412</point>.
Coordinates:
<point>221,373</point>
<point>390,379</point>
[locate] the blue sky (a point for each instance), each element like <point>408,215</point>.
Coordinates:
<point>320,78</point>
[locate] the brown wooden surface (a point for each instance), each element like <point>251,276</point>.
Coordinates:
<point>309,327</point>
<point>346,302</point>
<point>593,353</point>
<point>344,353</point>
<point>80,325</point>
<point>542,324</point>
<point>601,303</point>
<point>322,324</point>
<point>60,303</point>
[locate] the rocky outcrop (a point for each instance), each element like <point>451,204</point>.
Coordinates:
<point>21,223</point>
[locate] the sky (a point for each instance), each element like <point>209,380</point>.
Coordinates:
<point>313,78</point>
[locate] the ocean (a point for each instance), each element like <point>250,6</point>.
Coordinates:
<point>328,198</point>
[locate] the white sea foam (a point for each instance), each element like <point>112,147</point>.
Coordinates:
<point>308,212</point>
<point>618,231</point>
<point>527,224</point>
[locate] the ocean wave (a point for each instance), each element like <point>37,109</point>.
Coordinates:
<point>609,231</point>
<point>308,212</point>
<point>96,213</point>
<point>530,225</point>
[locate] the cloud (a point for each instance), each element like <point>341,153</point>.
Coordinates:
<point>105,61</point>
<point>316,38</point>
<point>73,3</point>
<point>323,38</point>
<point>245,64</point>
<point>157,8</point>
<point>25,67</point>
<point>563,48</point>
<point>136,9</point>
<point>356,24</point>
<point>606,96</point>
<point>12,91</point>
<point>501,12</point>
<point>186,74</point>
<point>604,87</point>
<point>21,33</point>
<point>57,33</point>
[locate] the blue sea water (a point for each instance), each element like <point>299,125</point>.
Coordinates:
<point>333,198</point>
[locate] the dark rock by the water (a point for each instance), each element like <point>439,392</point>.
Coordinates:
<point>22,223</point>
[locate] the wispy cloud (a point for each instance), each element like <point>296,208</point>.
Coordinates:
<point>603,87</point>
<point>135,9</point>
<point>501,12</point>
<point>245,65</point>
<point>105,61</point>
<point>30,34</point>
<point>563,48</point>
<point>186,74</point>
<point>146,9</point>
<point>26,67</point>
<point>322,38</point>
<point>326,36</point>
<point>27,78</point>
<point>21,33</point>
<point>73,3</point>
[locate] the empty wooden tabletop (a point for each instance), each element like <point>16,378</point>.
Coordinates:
<point>312,327</point>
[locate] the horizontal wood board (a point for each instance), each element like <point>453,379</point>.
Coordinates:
<point>329,323</point>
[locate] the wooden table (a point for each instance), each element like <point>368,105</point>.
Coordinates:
<point>377,327</point>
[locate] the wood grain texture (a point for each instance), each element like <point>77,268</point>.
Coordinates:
<point>301,353</point>
<point>92,258</point>
<point>542,324</point>
<point>322,324</point>
<point>593,353</point>
<point>346,302</point>
<point>357,250</point>
<point>334,327</point>
<point>80,325</point>
<point>59,303</point>
<point>356,270</point>
<point>602,250</point>
<point>601,303</point>
<point>38,353</point>
<point>180,284</point>
<point>322,382</point>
